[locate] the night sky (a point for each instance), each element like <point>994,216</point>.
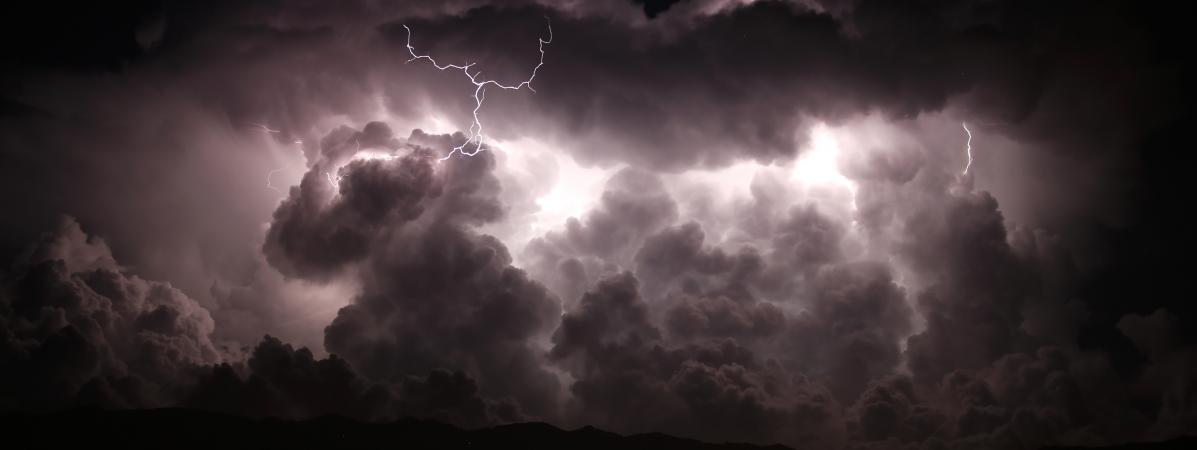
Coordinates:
<point>822,223</point>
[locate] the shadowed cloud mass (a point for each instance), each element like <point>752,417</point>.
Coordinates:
<point>740,221</point>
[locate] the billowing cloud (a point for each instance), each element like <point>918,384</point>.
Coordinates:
<point>629,379</point>
<point>774,239</point>
<point>405,225</point>
<point>77,327</point>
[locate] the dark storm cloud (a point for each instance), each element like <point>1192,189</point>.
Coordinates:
<point>932,314</point>
<point>707,91</point>
<point>807,238</point>
<point>288,383</point>
<point>708,291</point>
<point>629,379</point>
<point>986,372</point>
<point>677,256</point>
<point>77,328</point>
<point>446,297</point>
<point>983,370</point>
<point>801,242</point>
<point>722,316</point>
<point>634,204</point>
<point>283,382</point>
<point>1171,371</point>
<point>309,238</point>
<point>435,293</point>
<point>166,133</point>
<point>850,335</point>
<point>654,7</point>
<point>1020,401</point>
<point>979,286</point>
<point>689,87</point>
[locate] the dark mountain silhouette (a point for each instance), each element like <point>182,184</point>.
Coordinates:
<point>193,429</point>
<point>1180,443</point>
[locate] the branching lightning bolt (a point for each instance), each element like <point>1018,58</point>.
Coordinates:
<point>968,147</point>
<point>475,134</point>
<point>335,180</point>
<point>269,175</point>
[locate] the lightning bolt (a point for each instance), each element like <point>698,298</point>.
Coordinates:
<point>335,181</point>
<point>475,134</point>
<point>269,175</point>
<point>968,147</point>
<point>265,129</point>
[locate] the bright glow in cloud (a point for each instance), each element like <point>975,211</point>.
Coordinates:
<point>565,188</point>
<point>567,197</point>
<point>817,170</point>
<point>542,187</point>
<point>334,176</point>
<point>372,155</point>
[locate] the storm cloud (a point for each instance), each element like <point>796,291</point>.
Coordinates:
<point>725,220</point>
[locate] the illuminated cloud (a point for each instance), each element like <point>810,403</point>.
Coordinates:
<point>826,224</point>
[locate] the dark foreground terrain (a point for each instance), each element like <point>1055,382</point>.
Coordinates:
<point>186,429</point>
<point>1181,443</point>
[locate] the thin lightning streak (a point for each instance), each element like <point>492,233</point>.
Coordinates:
<point>335,182</point>
<point>968,147</point>
<point>269,175</point>
<point>265,128</point>
<point>358,155</point>
<point>475,130</point>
